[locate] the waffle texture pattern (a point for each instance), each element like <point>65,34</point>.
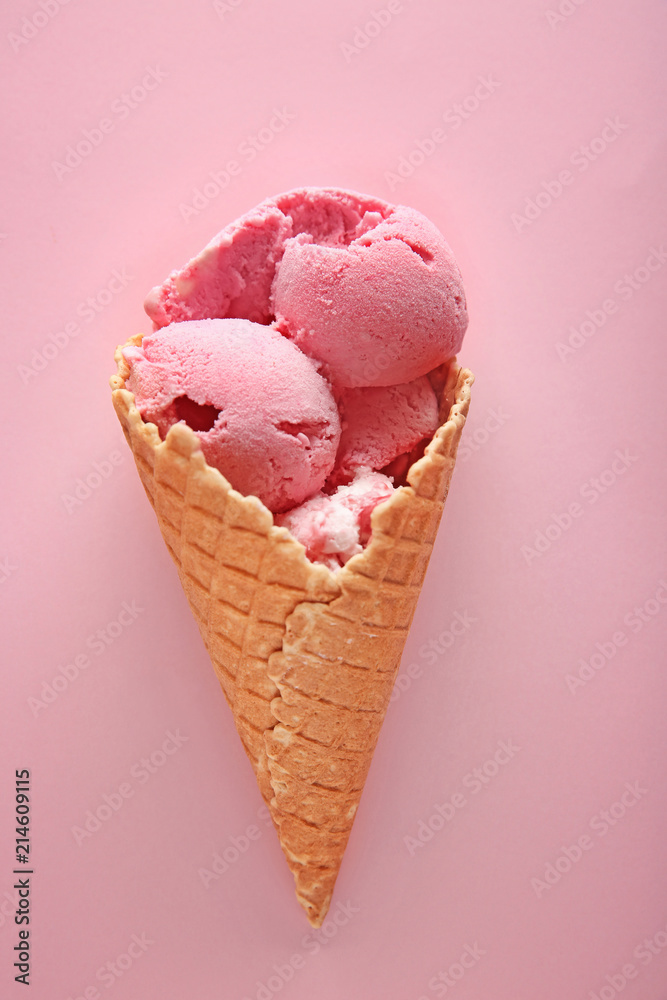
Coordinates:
<point>306,658</point>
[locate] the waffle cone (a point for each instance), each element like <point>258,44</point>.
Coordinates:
<point>306,658</point>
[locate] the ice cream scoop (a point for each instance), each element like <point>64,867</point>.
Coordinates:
<point>265,417</point>
<point>381,422</point>
<point>335,528</point>
<point>232,275</point>
<point>368,289</point>
<point>384,309</point>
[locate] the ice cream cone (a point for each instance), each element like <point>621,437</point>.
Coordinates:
<point>306,658</point>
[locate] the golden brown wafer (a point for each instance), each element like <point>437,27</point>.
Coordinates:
<point>306,658</point>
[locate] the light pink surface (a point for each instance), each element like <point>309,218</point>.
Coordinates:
<point>264,416</point>
<point>538,627</point>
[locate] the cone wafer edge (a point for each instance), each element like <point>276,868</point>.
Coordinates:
<point>306,658</point>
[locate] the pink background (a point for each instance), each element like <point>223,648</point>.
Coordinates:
<point>545,426</point>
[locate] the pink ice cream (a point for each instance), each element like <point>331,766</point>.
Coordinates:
<point>335,528</point>
<point>265,417</point>
<point>233,274</point>
<point>317,302</point>
<point>387,308</point>
<point>381,422</point>
<point>370,290</point>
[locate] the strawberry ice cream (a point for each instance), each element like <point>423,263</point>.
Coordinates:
<point>384,309</point>
<point>233,274</point>
<point>370,290</point>
<point>265,418</point>
<point>319,311</point>
<point>335,528</point>
<point>382,422</point>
